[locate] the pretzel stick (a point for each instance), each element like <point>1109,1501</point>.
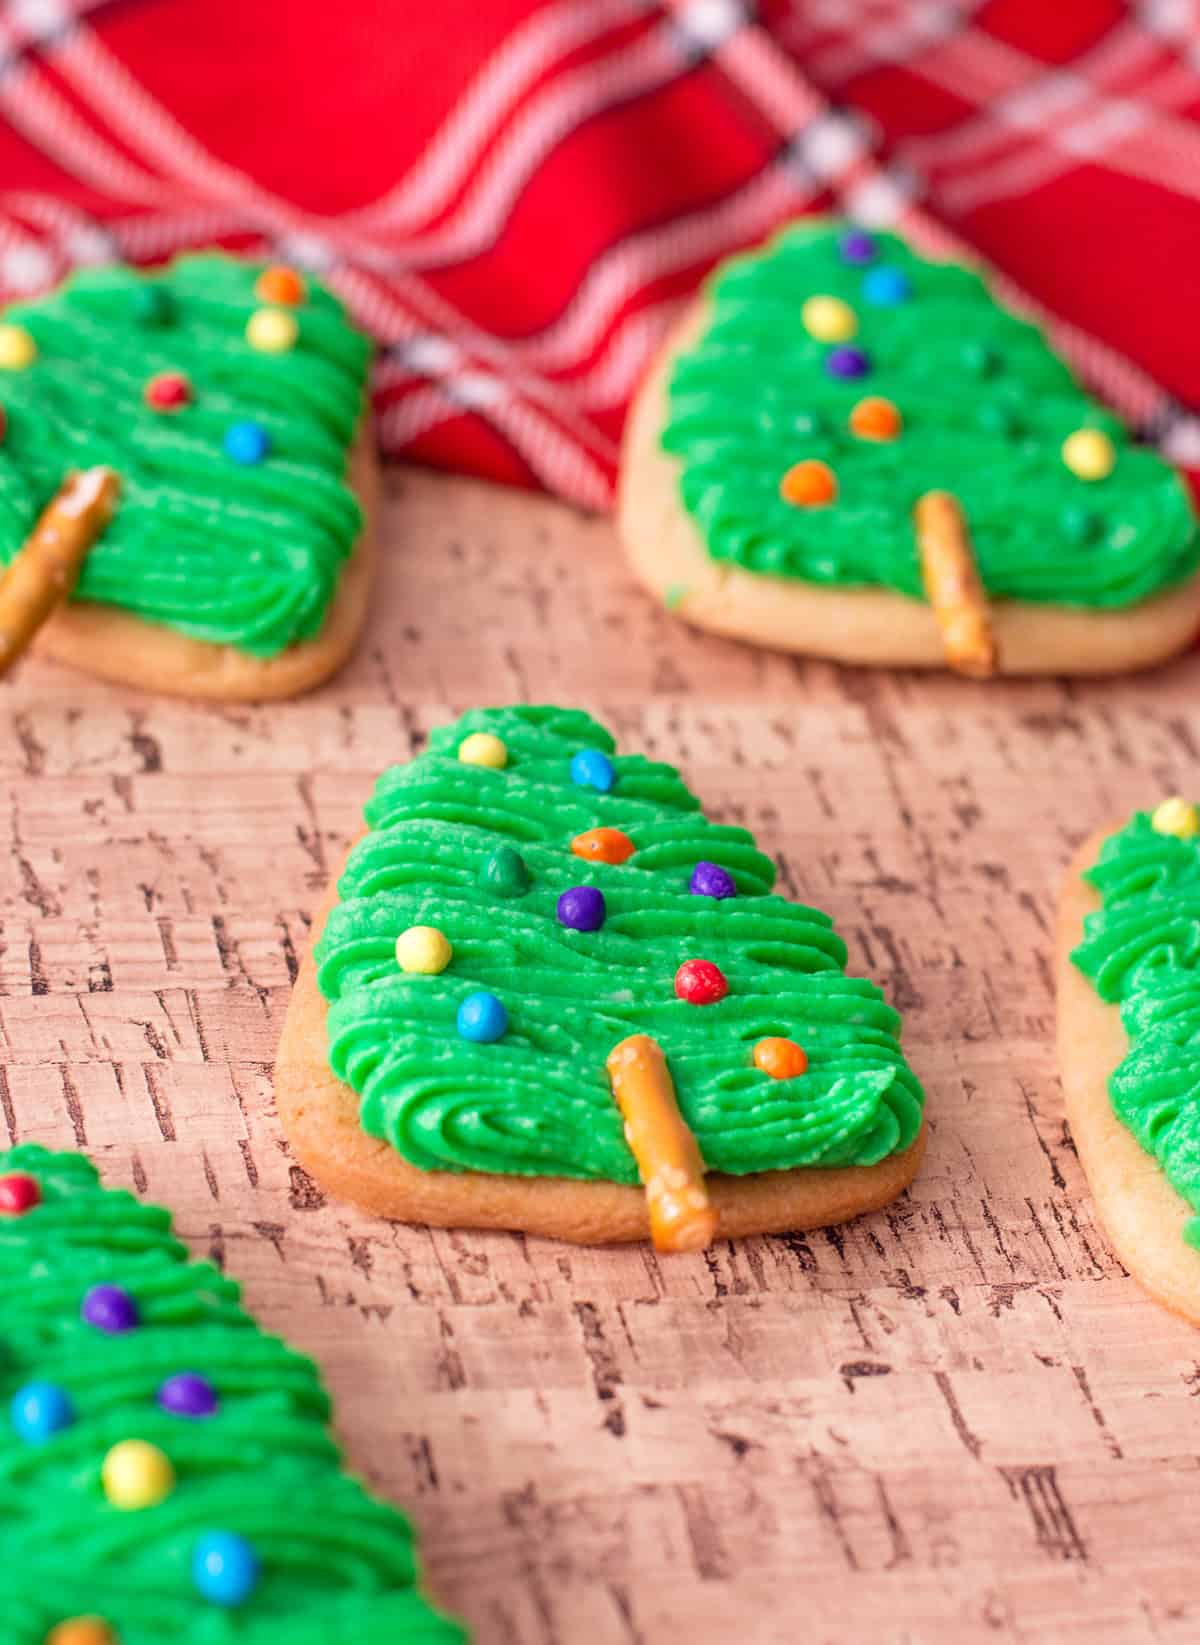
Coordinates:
<point>667,1155</point>
<point>953,586</point>
<point>47,566</point>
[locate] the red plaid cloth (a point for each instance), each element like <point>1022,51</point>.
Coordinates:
<point>516,197</point>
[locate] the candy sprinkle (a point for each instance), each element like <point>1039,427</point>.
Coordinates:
<point>582,908</point>
<point>423,951</point>
<point>110,1309</point>
<point>482,748</point>
<point>505,873</point>
<point>700,982</point>
<point>280,285</point>
<point>1089,454</point>
<point>603,845</point>
<point>188,1394</point>
<point>482,1019</point>
<point>40,1410</point>
<point>809,484</point>
<point>592,769</point>
<point>167,391</point>
<point>224,1568</point>
<point>857,247</point>
<point>152,305</point>
<point>18,350</point>
<point>828,319</point>
<point>886,286</point>
<point>780,1058</point>
<point>876,419</point>
<point>19,1192</point>
<point>137,1475</point>
<point>272,330</point>
<point>709,879</point>
<point>82,1630</point>
<point>1176,816</point>
<point>847,363</point>
<point>247,443</point>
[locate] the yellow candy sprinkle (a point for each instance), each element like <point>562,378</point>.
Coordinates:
<point>423,951</point>
<point>1176,816</point>
<point>1089,453</point>
<point>828,319</point>
<point>136,1475</point>
<point>481,748</point>
<point>17,348</point>
<point>272,330</point>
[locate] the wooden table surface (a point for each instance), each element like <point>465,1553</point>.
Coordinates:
<point>958,1420</point>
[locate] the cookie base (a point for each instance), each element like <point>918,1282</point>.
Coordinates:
<point>125,649</point>
<point>1140,1212</point>
<point>319,1115</point>
<point>875,626</point>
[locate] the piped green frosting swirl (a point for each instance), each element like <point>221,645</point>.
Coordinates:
<point>537,1102</point>
<point>246,555</point>
<point>336,1563</point>
<point>1142,952</point>
<point>986,407</point>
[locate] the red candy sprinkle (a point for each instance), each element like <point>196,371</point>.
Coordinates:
<point>18,1193</point>
<point>700,982</point>
<point>168,391</point>
<point>3,423</point>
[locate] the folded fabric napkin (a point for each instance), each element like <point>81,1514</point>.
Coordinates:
<point>516,199</point>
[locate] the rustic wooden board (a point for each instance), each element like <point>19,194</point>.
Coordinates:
<point>955,1421</point>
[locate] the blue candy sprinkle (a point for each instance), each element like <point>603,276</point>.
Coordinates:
<point>591,769</point>
<point>482,1018</point>
<point>224,1568</point>
<point>886,286</point>
<point>40,1410</point>
<point>247,443</point>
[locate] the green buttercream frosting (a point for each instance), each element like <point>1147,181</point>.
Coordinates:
<point>234,553</point>
<point>335,1564</point>
<point>1142,952</point>
<point>986,406</point>
<point>537,1101</point>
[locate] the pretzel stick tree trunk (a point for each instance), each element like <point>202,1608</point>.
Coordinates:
<point>667,1154</point>
<point>953,585</point>
<point>47,566</point>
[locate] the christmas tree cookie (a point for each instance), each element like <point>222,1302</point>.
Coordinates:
<point>548,994</point>
<point>186,454</point>
<point>166,1469</point>
<point>850,451</point>
<point>1129,1041</point>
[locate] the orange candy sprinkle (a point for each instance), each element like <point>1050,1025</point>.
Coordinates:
<point>810,484</point>
<point>603,845</point>
<point>875,419</point>
<point>782,1059</point>
<point>82,1630</point>
<point>279,285</point>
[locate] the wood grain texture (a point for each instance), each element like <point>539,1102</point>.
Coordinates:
<point>956,1420</point>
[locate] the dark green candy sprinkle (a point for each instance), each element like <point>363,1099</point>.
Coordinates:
<point>504,873</point>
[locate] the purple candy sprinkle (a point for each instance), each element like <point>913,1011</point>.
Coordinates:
<point>709,879</point>
<point>110,1309</point>
<point>188,1394</point>
<point>582,908</point>
<point>847,362</point>
<point>857,247</point>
